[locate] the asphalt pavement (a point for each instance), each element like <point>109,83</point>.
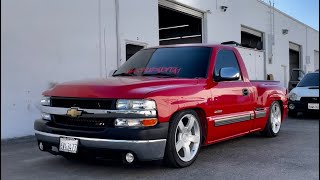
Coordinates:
<point>294,154</point>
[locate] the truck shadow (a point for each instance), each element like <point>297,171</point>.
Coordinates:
<point>214,149</point>
<point>306,116</point>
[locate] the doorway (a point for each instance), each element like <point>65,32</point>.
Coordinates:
<point>294,60</point>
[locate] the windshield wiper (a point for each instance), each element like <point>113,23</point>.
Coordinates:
<point>124,74</point>
<point>161,74</point>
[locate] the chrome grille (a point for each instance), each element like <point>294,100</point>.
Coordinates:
<point>83,122</point>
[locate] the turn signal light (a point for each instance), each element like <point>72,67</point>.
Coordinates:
<point>149,122</point>
<point>126,122</point>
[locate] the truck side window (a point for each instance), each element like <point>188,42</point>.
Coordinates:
<point>225,58</point>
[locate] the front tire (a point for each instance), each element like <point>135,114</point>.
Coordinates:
<point>273,125</point>
<point>184,139</point>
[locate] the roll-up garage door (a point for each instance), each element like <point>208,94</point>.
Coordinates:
<point>179,24</point>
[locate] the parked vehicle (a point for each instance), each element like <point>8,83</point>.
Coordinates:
<point>163,103</point>
<point>305,96</point>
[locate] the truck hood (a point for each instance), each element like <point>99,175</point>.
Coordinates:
<point>116,87</point>
<point>306,91</point>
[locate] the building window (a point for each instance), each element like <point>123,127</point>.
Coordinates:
<point>251,38</point>
<point>131,49</point>
<point>178,24</point>
<point>225,58</point>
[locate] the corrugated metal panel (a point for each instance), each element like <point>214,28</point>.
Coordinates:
<point>254,62</point>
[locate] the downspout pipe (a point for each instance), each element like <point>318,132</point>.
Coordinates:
<point>117,33</point>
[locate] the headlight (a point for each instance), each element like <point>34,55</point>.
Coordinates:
<point>294,97</point>
<point>135,104</point>
<point>45,101</point>
<point>121,122</point>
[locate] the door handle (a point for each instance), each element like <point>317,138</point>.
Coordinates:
<point>245,92</point>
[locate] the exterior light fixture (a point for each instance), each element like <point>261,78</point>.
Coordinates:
<point>285,31</point>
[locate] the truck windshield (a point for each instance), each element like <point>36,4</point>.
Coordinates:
<point>183,62</point>
<point>311,79</point>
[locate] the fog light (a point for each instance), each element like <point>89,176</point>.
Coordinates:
<point>129,157</point>
<point>291,106</point>
<point>46,116</point>
<point>41,146</point>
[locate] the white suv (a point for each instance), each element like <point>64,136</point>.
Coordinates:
<point>305,96</point>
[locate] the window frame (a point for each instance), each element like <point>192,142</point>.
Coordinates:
<point>237,61</point>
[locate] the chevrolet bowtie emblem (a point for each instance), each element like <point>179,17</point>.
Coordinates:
<point>74,112</point>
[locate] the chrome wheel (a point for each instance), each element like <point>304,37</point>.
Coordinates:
<point>187,137</point>
<point>275,118</point>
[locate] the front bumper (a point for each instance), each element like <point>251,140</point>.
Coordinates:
<point>147,143</point>
<point>300,107</point>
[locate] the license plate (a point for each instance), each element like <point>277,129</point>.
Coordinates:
<point>69,145</point>
<point>313,105</point>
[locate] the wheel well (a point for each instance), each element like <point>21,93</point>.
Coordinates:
<point>202,115</point>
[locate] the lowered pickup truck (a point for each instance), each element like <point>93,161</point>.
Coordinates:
<point>163,103</point>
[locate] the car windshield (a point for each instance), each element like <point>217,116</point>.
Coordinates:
<point>311,79</point>
<point>182,62</point>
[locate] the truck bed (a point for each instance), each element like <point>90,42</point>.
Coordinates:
<point>264,82</point>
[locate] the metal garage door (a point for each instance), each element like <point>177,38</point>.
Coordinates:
<point>179,24</point>
<point>254,61</point>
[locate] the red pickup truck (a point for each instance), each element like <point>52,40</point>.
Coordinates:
<point>163,103</point>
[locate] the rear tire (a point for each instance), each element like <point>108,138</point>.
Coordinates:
<point>273,125</point>
<point>184,139</point>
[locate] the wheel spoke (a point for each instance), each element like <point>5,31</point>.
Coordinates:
<point>194,138</point>
<point>186,151</point>
<point>181,126</point>
<point>190,123</point>
<point>179,145</point>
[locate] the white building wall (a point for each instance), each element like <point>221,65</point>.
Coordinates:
<point>47,41</point>
<point>138,23</point>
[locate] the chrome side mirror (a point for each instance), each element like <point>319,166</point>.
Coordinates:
<point>229,74</point>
